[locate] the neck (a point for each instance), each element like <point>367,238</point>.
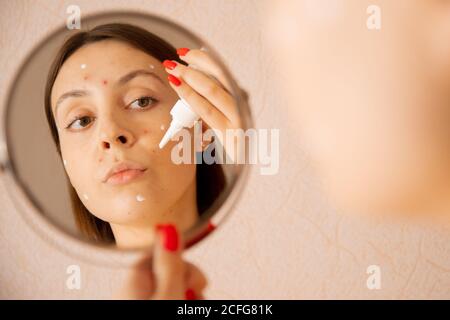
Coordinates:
<point>183,214</point>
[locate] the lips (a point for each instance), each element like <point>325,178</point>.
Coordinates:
<point>124,176</point>
<point>124,172</point>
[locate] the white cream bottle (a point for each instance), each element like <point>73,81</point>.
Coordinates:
<point>182,117</point>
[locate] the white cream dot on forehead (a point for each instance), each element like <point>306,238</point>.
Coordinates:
<point>151,66</point>
<point>85,196</point>
<point>83,66</point>
<point>140,198</point>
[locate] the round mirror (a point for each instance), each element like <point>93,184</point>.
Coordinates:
<point>126,124</point>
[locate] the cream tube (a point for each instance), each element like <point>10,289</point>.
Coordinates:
<point>182,117</point>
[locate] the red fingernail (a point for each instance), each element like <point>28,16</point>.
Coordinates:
<point>174,79</point>
<point>170,235</point>
<point>182,51</point>
<point>190,295</point>
<point>169,64</point>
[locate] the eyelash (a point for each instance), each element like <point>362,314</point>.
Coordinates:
<point>152,101</point>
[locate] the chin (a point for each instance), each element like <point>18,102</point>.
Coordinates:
<point>126,209</point>
<point>134,216</point>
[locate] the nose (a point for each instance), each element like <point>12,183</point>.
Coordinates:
<point>115,135</point>
<point>121,139</point>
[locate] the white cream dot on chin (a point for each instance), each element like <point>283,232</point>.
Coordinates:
<point>83,66</point>
<point>85,196</point>
<point>140,198</point>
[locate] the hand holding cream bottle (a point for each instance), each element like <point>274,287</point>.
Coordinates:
<point>182,117</point>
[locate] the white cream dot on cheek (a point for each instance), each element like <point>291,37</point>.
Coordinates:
<point>83,66</point>
<point>162,127</point>
<point>85,196</point>
<point>65,162</point>
<point>140,198</point>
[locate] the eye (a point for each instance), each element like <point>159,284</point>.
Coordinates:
<point>142,102</point>
<point>82,121</point>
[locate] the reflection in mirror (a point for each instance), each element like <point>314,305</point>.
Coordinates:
<point>114,130</point>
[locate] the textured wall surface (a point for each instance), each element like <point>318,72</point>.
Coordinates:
<point>281,241</point>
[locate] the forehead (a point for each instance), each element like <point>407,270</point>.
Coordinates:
<point>105,60</point>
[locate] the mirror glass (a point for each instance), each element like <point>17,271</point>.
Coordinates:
<point>85,123</point>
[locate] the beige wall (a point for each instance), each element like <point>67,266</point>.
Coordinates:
<point>282,241</point>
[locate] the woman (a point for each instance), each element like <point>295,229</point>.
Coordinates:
<point>372,101</point>
<point>107,101</point>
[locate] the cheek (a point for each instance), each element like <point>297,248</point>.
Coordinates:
<point>150,139</point>
<point>153,132</point>
<point>76,173</point>
<point>79,168</point>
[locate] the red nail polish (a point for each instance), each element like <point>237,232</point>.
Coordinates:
<point>174,80</point>
<point>210,227</point>
<point>169,64</point>
<point>170,235</point>
<point>182,51</point>
<point>190,295</point>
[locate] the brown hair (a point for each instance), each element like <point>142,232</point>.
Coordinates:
<point>210,178</point>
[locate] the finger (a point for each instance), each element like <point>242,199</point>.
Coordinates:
<point>168,266</point>
<point>205,110</point>
<point>206,87</point>
<point>204,62</point>
<point>206,138</point>
<point>195,279</point>
<point>201,296</point>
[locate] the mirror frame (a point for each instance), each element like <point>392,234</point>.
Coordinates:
<point>90,252</point>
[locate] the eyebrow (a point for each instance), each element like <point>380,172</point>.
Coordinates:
<point>123,80</point>
<point>70,94</point>
<point>133,74</point>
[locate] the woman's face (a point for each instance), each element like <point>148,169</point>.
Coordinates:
<point>372,106</point>
<point>123,99</point>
